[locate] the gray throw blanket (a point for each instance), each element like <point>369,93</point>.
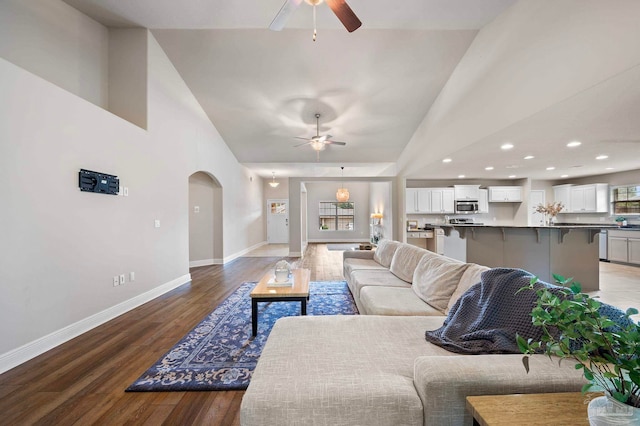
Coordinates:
<point>487,317</point>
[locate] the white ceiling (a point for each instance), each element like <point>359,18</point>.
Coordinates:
<point>373,87</point>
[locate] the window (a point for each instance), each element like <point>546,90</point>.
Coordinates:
<point>626,199</point>
<point>335,216</point>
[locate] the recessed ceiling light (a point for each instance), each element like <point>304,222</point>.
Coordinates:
<point>488,168</point>
<point>461,176</point>
<point>446,160</point>
<point>551,168</point>
<point>529,157</point>
<point>608,168</point>
<point>602,157</point>
<point>506,146</point>
<point>512,176</point>
<point>574,144</point>
<point>513,166</point>
<point>564,176</point>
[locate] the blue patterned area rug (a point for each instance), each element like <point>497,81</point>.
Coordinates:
<point>220,354</point>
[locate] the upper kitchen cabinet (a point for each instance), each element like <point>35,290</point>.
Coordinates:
<point>483,201</point>
<point>505,194</point>
<point>429,200</point>
<point>418,200</point>
<point>466,192</point>
<point>592,198</point>
<point>442,200</point>
<point>562,194</point>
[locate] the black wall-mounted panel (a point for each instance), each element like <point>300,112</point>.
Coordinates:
<point>98,182</point>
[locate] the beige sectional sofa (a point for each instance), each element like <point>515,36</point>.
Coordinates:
<point>377,368</point>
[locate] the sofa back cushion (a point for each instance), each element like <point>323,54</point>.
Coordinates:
<point>384,252</point>
<point>405,260</point>
<point>470,277</point>
<point>436,278</point>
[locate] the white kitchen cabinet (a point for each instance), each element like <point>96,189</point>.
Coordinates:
<point>562,194</point>
<point>466,192</point>
<point>429,200</point>
<point>505,194</point>
<point>418,200</point>
<point>442,200</point>
<point>483,201</point>
<point>624,246</point>
<point>589,198</point>
<point>633,247</point>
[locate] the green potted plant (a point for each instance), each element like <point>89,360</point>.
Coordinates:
<point>621,221</point>
<point>606,349</point>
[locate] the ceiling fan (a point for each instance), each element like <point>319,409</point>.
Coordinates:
<point>317,142</point>
<point>339,7</point>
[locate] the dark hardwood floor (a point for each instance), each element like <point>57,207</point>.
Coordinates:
<point>83,381</point>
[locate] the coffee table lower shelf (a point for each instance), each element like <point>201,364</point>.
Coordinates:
<point>256,300</point>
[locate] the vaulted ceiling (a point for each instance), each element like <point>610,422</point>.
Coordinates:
<point>376,88</point>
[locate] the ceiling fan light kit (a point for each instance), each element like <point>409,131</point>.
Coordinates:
<point>319,143</point>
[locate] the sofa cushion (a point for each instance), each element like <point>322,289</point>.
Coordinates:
<point>394,301</point>
<point>405,260</point>
<point>339,370</point>
<point>436,278</point>
<point>470,277</point>
<point>363,278</point>
<point>351,264</point>
<point>384,252</point>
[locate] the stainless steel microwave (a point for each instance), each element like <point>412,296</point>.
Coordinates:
<point>467,206</point>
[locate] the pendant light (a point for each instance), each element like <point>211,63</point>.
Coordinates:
<point>273,182</point>
<point>343,193</point>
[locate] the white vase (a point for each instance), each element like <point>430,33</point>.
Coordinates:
<point>606,411</point>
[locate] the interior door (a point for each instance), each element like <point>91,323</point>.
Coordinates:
<point>278,221</point>
<point>536,196</point>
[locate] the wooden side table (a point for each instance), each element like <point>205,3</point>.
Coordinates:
<point>566,408</point>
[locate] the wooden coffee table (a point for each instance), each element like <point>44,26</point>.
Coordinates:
<point>567,408</point>
<point>298,292</point>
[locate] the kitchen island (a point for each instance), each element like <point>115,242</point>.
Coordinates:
<point>571,251</point>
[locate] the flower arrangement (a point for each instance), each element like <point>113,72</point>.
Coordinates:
<point>551,210</point>
<point>574,327</point>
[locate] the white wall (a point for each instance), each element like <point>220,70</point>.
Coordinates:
<point>61,247</point>
<point>326,191</point>
<point>201,229</point>
<point>56,42</point>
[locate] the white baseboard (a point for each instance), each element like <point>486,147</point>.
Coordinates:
<point>203,262</point>
<point>243,252</point>
<point>39,346</point>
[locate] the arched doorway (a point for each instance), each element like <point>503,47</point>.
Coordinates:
<point>205,220</point>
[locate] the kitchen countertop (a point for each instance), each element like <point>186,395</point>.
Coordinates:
<point>560,226</point>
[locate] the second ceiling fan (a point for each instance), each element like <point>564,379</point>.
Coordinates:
<point>317,142</point>
<point>339,7</point>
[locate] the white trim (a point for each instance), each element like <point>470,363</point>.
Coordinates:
<point>39,346</point>
<point>203,262</point>
<point>243,252</point>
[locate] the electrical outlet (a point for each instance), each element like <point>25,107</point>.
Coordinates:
<point>122,279</point>
<point>116,281</point>
<point>132,276</point>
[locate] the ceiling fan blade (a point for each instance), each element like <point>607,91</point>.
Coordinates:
<point>306,143</point>
<point>298,137</point>
<point>345,14</point>
<point>285,11</point>
<point>336,143</point>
